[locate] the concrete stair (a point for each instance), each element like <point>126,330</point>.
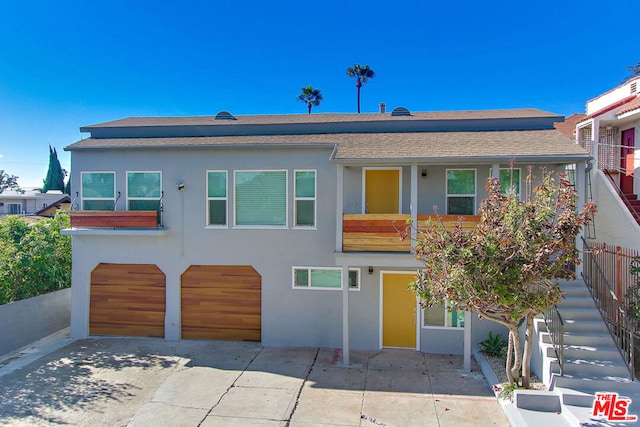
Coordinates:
<point>592,363</point>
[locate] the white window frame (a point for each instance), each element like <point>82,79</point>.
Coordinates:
<point>364,185</point>
<point>115,193</point>
<point>475,186</point>
<point>286,195</point>
<point>141,198</point>
<point>312,288</point>
<point>314,199</point>
<point>447,327</point>
<point>226,199</point>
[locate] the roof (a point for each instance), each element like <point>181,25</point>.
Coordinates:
<point>629,106</point>
<point>269,119</point>
<point>568,127</point>
<point>427,146</point>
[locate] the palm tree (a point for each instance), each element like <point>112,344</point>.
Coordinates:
<point>311,96</point>
<point>362,75</point>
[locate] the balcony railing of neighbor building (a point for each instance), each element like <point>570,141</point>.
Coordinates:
<point>597,277</point>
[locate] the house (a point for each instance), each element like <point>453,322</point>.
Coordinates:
<point>609,131</point>
<point>281,228</point>
<point>29,202</point>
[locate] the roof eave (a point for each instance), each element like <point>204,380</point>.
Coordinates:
<point>532,159</point>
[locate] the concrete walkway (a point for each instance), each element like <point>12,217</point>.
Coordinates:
<point>148,382</point>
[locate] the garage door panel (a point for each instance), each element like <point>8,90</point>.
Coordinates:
<point>127,300</point>
<point>222,303</point>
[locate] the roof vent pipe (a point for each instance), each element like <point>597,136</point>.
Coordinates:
<point>383,108</point>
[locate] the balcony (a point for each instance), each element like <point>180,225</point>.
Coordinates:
<point>115,219</point>
<point>379,232</point>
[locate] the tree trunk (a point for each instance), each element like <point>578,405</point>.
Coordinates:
<point>358,85</point>
<point>309,107</point>
<point>509,358</point>
<point>526,357</point>
<point>516,365</point>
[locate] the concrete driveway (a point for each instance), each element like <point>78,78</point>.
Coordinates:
<point>148,382</point>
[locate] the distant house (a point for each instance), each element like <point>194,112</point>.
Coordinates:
<point>281,228</point>
<point>30,202</point>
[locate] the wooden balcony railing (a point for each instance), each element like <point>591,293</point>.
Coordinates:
<point>379,232</point>
<point>138,219</point>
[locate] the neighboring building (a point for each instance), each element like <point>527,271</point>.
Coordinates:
<point>28,203</point>
<point>280,228</point>
<point>568,127</point>
<point>610,131</point>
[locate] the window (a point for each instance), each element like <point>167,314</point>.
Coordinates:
<point>217,198</point>
<point>461,191</point>
<point>509,181</point>
<point>443,316</point>
<point>14,208</point>
<point>305,198</point>
<point>324,278</point>
<point>98,191</point>
<point>144,190</point>
<point>260,198</point>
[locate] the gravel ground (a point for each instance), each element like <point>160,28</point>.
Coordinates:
<point>498,365</point>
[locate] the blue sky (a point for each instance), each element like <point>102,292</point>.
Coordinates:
<point>67,64</point>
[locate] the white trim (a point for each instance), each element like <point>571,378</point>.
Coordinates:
<point>115,193</point>
<point>126,188</point>
<point>314,199</point>
<point>299,267</point>
<point>226,199</point>
<point>475,187</point>
<point>286,195</point>
<point>364,185</point>
<point>417,307</point>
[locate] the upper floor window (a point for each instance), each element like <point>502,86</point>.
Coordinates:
<point>98,190</point>
<point>216,198</point>
<point>305,198</point>
<point>461,191</point>
<point>260,198</point>
<point>510,181</point>
<point>144,190</point>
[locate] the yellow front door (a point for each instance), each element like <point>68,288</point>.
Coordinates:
<point>398,311</point>
<point>382,191</point>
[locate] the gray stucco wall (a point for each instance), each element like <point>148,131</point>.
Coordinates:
<point>29,320</point>
<point>296,317</point>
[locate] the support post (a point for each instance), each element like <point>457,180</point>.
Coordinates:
<point>339,206</point>
<point>414,205</point>
<point>467,341</point>
<point>345,315</point>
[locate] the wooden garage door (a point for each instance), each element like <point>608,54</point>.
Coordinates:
<point>221,303</point>
<point>127,300</point>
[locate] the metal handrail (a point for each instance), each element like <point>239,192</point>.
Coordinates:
<point>555,326</point>
<point>622,195</point>
<point>612,311</point>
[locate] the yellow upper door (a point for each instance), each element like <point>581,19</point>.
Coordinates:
<point>398,311</point>
<point>382,191</point>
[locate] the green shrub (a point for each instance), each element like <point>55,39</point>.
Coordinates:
<point>34,257</point>
<point>493,346</point>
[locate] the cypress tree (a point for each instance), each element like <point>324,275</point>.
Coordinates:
<point>55,176</point>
